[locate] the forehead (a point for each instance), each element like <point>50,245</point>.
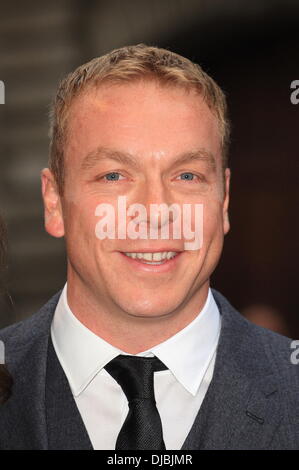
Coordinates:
<point>141,118</point>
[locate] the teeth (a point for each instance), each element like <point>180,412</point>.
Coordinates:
<point>156,257</point>
<point>159,256</point>
<point>147,257</point>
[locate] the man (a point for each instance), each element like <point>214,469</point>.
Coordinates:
<point>137,352</point>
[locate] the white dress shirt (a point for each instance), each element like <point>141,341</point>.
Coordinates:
<point>179,390</point>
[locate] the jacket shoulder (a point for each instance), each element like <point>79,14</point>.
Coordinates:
<point>23,333</point>
<point>258,344</point>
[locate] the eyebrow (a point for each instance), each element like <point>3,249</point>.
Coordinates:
<point>103,153</point>
<point>201,155</point>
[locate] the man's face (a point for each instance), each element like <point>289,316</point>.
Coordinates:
<point>145,128</point>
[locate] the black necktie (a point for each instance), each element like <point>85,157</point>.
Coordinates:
<point>142,428</point>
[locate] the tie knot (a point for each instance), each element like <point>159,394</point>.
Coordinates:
<point>135,375</point>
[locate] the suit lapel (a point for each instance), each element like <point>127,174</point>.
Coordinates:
<point>241,407</point>
<point>65,427</point>
<point>41,412</point>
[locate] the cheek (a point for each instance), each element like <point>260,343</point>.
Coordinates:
<point>81,236</point>
<point>212,221</point>
<point>80,222</point>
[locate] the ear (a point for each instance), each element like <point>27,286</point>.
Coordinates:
<point>54,224</point>
<point>226,224</point>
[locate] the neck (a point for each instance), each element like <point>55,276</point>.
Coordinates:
<point>130,333</point>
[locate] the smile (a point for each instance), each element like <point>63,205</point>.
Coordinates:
<point>155,258</point>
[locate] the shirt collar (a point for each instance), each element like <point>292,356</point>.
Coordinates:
<point>83,354</point>
<point>188,353</point>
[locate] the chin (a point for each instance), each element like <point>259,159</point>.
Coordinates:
<point>148,314</point>
<point>149,309</point>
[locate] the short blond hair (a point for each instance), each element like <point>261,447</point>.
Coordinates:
<point>129,64</point>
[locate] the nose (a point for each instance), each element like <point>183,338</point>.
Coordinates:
<point>156,200</point>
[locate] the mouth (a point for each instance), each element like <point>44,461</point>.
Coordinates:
<point>154,258</point>
<point>158,261</point>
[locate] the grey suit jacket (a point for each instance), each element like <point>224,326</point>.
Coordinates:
<point>252,401</point>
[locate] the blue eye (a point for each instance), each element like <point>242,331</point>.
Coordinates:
<point>112,176</point>
<point>187,176</point>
